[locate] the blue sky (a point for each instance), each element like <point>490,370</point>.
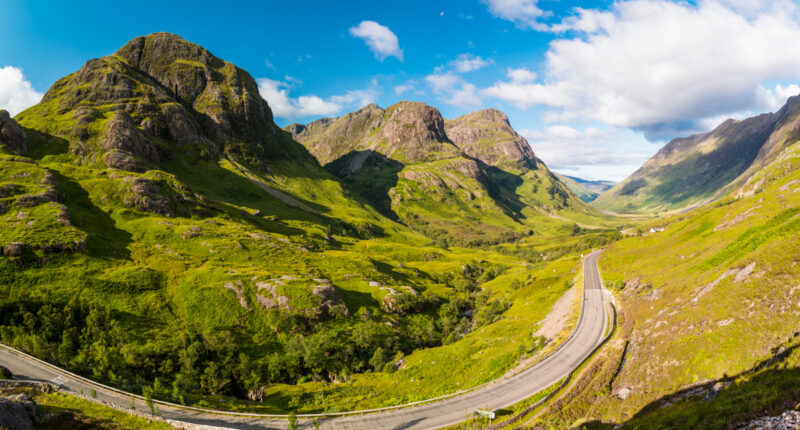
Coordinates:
<point>596,89</point>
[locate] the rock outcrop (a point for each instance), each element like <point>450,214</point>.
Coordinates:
<point>488,136</point>
<point>127,146</point>
<point>789,420</point>
<point>17,412</point>
<point>162,87</point>
<point>12,136</point>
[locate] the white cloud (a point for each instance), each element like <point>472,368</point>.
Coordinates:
<point>357,97</point>
<point>16,94</point>
<point>657,66</point>
<point>379,39</point>
<point>586,153</point>
<point>521,76</point>
<point>402,89</point>
<point>524,13</point>
<point>453,90</point>
<point>468,63</point>
<point>276,93</point>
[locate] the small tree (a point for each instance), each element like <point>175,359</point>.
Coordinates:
<point>292,421</point>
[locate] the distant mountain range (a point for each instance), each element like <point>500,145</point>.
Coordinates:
<point>690,171</point>
<point>472,177</point>
<point>584,189</point>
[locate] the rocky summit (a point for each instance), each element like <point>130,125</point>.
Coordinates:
<point>438,175</point>
<point>161,88</point>
<point>488,136</point>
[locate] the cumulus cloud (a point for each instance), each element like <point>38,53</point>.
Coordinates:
<point>585,153</point>
<point>380,40</point>
<point>356,97</point>
<point>453,89</point>
<point>16,94</point>
<point>276,93</point>
<point>660,67</point>
<point>468,63</point>
<point>524,13</point>
<point>402,89</point>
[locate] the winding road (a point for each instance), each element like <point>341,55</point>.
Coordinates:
<point>501,393</point>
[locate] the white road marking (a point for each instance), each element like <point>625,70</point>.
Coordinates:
<point>59,380</point>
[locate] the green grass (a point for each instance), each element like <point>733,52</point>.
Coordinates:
<point>710,298</point>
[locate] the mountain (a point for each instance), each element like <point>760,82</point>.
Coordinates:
<point>584,189</point>
<point>487,135</point>
<point>707,302</point>
<point>468,180</point>
<point>693,170</point>
<point>159,233</point>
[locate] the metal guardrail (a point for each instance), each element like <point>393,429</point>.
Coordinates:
<point>128,395</point>
<point>604,339</point>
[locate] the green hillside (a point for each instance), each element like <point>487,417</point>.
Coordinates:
<point>584,189</point>
<point>161,234</point>
<point>691,171</point>
<point>468,181</point>
<point>709,313</point>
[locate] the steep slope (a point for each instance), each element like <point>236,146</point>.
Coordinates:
<point>473,179</point>
<point>161,234</point>
<point>584,189</point>
<point>488,136</point>
<point>711,305</point>
<point>700,168</point>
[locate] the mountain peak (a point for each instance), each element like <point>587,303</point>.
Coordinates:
<point>172,90</point>
<point>488,136</point>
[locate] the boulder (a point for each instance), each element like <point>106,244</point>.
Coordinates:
<point>127,147</point>
<point>144,195</point>
<point>331,297</point>
<point>11,134</point>
<point>17,412</point>
<point>13,249</point>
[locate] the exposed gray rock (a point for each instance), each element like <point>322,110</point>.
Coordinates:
<point>239,294</point>
<point>13,249</point>
<point>789,420</point>
<point>11,134</point>
<point>331,297</point>
<point>144,195</point>
<point>17,412</point>
<point>128,147</point>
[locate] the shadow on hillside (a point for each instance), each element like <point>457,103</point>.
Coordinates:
<point>368,175</point>
<point>233,191</point>
<point>502,189</point>
<point>104,240</point>
<point>767,389</point>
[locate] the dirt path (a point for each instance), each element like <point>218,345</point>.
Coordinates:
<point>555,321</point>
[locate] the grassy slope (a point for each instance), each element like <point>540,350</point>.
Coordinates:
<point>579,190</point>
<point>63,412</point>
<point>198,254</point>
<point>698,317</point>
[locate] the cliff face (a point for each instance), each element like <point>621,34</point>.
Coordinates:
<point>157,96</point>
<point>488,136</point>
<point>12,136</point>
<point>471,173</point>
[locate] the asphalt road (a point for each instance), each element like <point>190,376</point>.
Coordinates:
<point>499,394</point>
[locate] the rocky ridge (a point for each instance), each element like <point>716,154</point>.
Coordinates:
<point>159,97</point>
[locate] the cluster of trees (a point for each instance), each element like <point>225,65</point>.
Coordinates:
<point>181,365</point>
<point>580,243</point>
